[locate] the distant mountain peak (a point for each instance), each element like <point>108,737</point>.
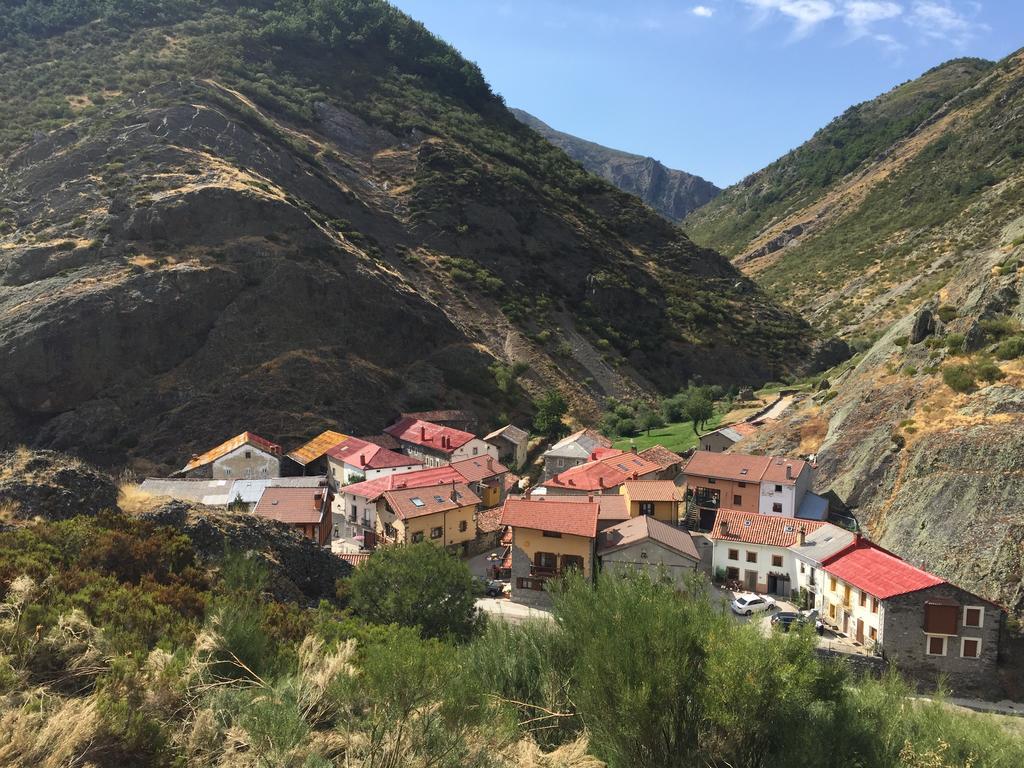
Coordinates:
<point>670,192</point>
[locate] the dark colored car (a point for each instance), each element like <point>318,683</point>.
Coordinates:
<point>784,619</point>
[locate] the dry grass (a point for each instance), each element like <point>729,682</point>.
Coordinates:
<point>134,501</point>
<point>812,434</point>
<point>43,731</point>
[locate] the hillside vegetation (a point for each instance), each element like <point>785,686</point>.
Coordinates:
<point>283,215</point>
<point>880,208</point>
<point>122,643</point>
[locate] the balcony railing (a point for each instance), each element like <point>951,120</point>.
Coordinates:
<point>706,499</point>
<point>544,571</point>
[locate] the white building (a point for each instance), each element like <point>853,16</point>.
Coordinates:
<point>436,445</point>
<point>355,460</point>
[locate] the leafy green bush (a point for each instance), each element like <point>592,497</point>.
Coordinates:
<point>1010,348</point>
<point>959,378</point>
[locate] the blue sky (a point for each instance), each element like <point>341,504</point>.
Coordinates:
<point>715,87</point>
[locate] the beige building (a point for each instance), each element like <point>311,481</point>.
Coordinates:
<point>660,499</point>
<point>441,514</point>
<point>244,457</point>
<point>646,544</point>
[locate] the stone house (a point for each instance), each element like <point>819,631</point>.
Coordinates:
<point>572,451</point>
<point>444,515</point>
<point>355,460</point>
<point>549,537</point>
<point>660,499</point>
<point>608,469</point>
<point>511,442</point>
<point>926,626</point>
<point>486,477</point>
<point>436,445</point>
<point>669,464</point>
<point>246,456</point>
<point>724,438</point>
<point>755,550</point>
<point>645,543</point>
<point>308,510</point>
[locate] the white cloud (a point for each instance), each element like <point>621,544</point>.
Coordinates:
<point>940,20</point>
<point>703,11</point>
<point>860,14</point>
<point>806,14</point>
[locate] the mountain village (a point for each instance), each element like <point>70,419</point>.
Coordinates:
<point>747,528</point>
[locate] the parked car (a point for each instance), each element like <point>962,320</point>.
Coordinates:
<point>784,619</point>
<point>748,604</point>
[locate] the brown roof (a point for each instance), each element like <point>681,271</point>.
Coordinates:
<point>317,447</point>
<point>489,521</point>
<point>479,468</point>
<point>661,456</point>
<point>510,432</point>
<point>751,528</point>
<point>744,467</point>
<point>355,559</point>
<point>230,445</point>
<point>416,502</point>
<point>643,528</point>
<point>557,516</point>
<point>291,505</point>
<point>603,473</point>
<point>610,506</point>
<point>652,490</point>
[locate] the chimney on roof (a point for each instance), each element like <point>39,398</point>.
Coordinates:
<point>789,471</point>
<point>600,481</point>
<point>803,535</point>
<point>423,432</point>
<point>454,496</point>
<point>490,463</point>
<point>635,475</point>
<point>362,459</point>
<point>590,498</point>
<point>571,481</point>
<point>724,527</point>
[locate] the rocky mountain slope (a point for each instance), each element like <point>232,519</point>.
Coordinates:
<point>918,249</point>
<point>235,216</point>
<point>882,207</point>
<point>671,193</point>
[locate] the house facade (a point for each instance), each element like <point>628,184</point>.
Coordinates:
<point>646,544</point>
<point>355,506</point>
<point>724,438</point>
<point>660,499</point>
<point>355,460</point>
<point>811,550</point>
<point>549,537</point>
<point>441,514</point>
<point>435,445</point>
<point>669,464</point>
<point>754,550</point>
<point>511,442</point>
<point>245,456</point>
<point>572,451</point>
<point>485,476</point>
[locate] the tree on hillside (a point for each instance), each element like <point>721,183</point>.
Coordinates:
<point>699,408</point>
<point>551,408</point>
<point>649,419</point>
<point>418,586</point>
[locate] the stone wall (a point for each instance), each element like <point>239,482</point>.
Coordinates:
<point>903,642</point>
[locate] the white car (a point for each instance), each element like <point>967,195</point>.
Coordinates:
<point>745,605</point>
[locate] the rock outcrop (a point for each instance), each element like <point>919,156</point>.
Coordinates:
<point>48,485</point>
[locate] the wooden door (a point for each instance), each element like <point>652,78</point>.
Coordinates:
<point>751,580</point>
<point>846,623</point>
<point>860,631</point>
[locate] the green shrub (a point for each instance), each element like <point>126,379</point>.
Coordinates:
<point>959,378</point>
<point>1010,349</point>
<point>946,313</point>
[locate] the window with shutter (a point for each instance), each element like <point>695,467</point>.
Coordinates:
<point>970,647</point>
<point>974,616</point>
<point>935,646</point>
<point>940,619</point>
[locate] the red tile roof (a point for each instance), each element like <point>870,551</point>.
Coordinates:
<point>417,502</point>
<point>230,445</point>
<point>489,520</point>
<point>291,504</point>
<point>751,528</point>
<point>364,455</point>
<point>372,489</point>
<point>479,468</point>
<point>652,490</point>
<point>743,467</point>
<point>429,435</point>
<point>604,473</point>
<point>355,559</point>
<point>384,441</point>
<point>571,518</point>
<point>879,573</point>
<point>610,506</point>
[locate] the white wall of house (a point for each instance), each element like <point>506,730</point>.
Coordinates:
<point>843,605</point>
<point>341,473</point>
<point>475,447</point>
<point>809,577</point>
<point>763,565</point>
<point>777,499</point>
<point>247,462</point>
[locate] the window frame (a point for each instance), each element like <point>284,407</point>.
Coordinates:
<point>646,508</point>
<point>928,645</point>
<point>737,500</point>
<point>733,554</point>
<point>981,617</point>
<point>438,530</point>
<point>416,537</point>
<point>776,558</point>
<point>751,557</point>
<point>463,526</point>
<point>964,641</point>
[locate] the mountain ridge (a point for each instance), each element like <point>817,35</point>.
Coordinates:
<point>672,193</point>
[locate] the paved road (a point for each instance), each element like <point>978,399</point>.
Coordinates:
<point>512,612</point>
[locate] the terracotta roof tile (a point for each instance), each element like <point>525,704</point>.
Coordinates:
<point>652,490</point>
<point>556,516</point>
<point>230,445</point>
<point>426,500</point>
<point>355,559</point>
<point>661,456</point>
<point>291,505</point>
<point>608,472</point>
<point>510,432</point>
<point>316,447</point>
<point>489,521</point>
<point>372,489</point>
<point>429,435</point>
<point>751,528</point>
<point>877,572</point>
<point>744,467</point>
<point>365,455</point>
<point>479,468</point>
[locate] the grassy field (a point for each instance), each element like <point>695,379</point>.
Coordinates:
<point>676,437</point>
